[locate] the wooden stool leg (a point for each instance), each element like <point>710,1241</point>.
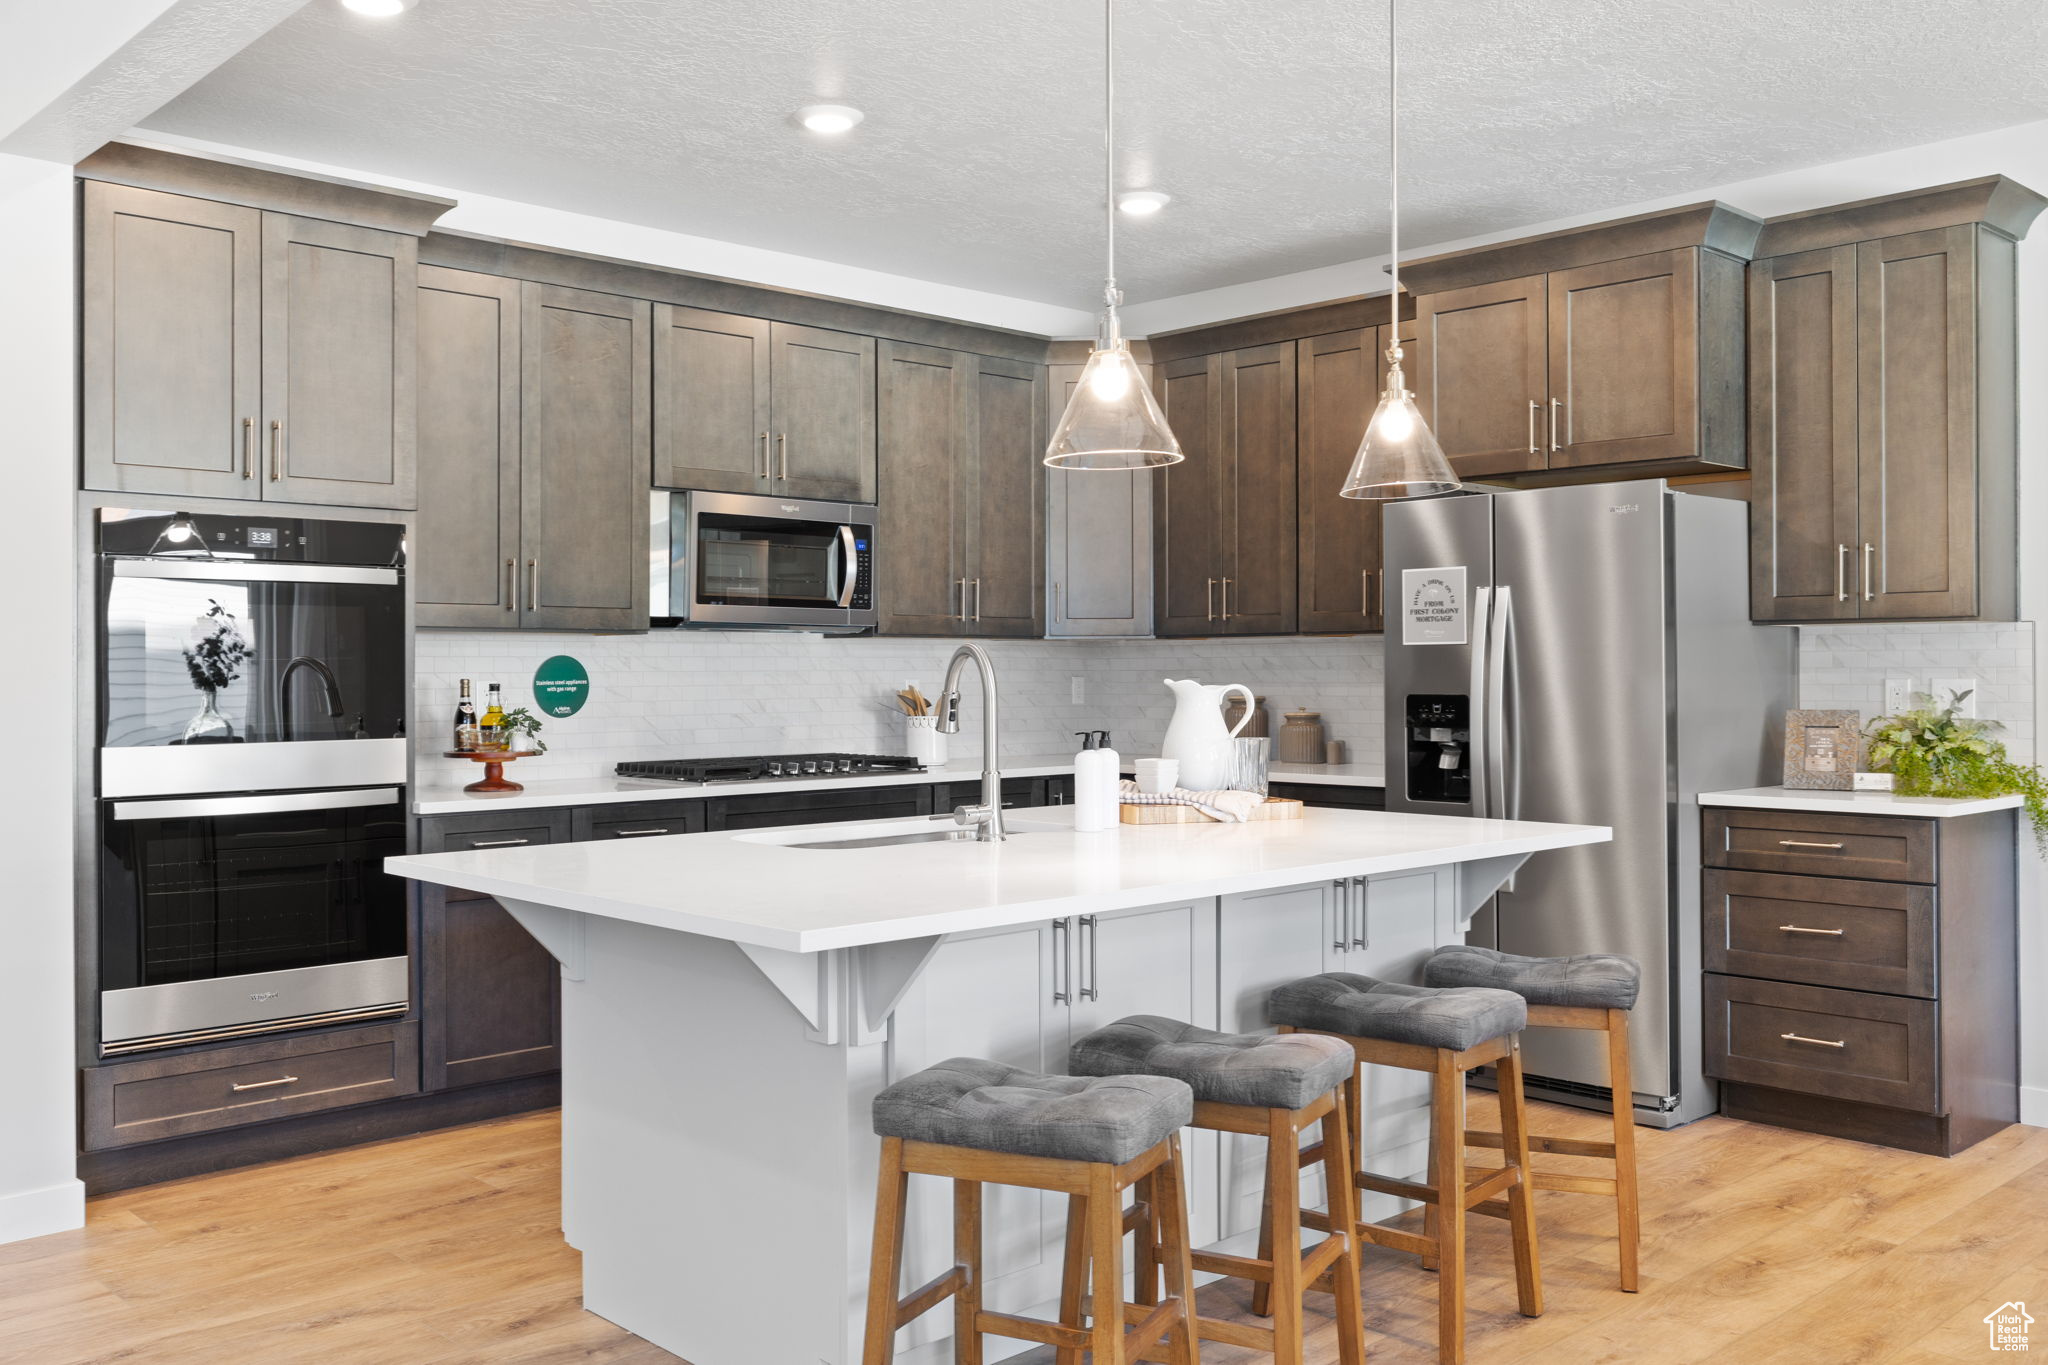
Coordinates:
<point>1283,1197</point>
<point>967,1254</point>
<point>1262,1291</point>
<point>1170,1215</point>
<point>885,1267</point>
<point>1074,1277</point>
<point>1145,1252</point>
<point>1447,1111</point>
<point>1337,1168</point>
<point>1430,1260</point>
<point>1628,1216</point>
<point>1106,1265</point>
<point>1514,1129</point>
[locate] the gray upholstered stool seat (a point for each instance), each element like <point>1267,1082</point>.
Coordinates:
<point>969,1102</point>
<point>1600,981</point>
<point>1365,1007</point>
<point>1288,1072</point>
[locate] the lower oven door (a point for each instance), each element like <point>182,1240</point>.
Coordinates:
<point>223,916</point>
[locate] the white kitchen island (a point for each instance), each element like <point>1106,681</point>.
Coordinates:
<point>732,1002</point>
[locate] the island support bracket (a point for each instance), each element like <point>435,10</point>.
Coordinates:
<point>1479,879</point>
<point>559,931</point>
<point>846,994</point>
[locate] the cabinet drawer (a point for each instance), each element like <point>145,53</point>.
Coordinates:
<point>642,820</point>
<point>195,1092</point>
<point>1824,931</point>
<point>486,830</point>
<point>1850,1045</point>
<point>1880,847</point>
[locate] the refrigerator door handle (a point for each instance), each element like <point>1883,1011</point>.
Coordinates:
<point>1479,733</point>
<point>1504,761</point>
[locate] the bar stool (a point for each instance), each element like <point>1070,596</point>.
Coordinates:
<point>1267,1087</point>
<point>1445,1033</point>
<point>980,1122</point>
<point>1594,991</point>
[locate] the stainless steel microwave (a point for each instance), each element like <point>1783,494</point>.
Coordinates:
<point>738,560</point>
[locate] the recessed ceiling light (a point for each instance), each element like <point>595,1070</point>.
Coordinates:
<point>829,118</point>
<point>1142,203</point>
<point>378,9</point>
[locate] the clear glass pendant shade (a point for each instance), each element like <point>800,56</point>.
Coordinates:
<point>1112,420</point>
<point>1399,456</point>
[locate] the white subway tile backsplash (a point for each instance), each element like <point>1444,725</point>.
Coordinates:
<point>1843,668</point>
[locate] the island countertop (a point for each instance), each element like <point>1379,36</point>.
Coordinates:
<point>751,887</point>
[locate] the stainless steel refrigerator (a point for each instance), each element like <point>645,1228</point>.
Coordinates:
<point>1585,655</point>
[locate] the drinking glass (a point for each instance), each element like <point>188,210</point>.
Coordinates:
<point>1248,760</point>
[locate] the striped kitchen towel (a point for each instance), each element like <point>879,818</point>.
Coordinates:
<point>1236,807</point>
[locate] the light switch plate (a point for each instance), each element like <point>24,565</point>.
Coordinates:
<point>1945,688</point>
<point>1080,689</point>
<point>1898,695</point>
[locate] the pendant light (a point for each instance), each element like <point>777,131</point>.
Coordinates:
<point>1399,456</point>
<point>1112,421</point>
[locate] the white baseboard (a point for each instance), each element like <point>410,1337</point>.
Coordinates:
<point>2034,1105</point>
<point>55,1208</point>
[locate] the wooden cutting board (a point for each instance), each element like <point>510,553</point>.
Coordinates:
<point>1275,808</point>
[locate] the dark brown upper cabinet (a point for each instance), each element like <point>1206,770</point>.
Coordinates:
<point>1098,539</point>
<point>231,352</point>
<point>745,405</point>
<point>1224,527</point>
<point>1602,352</point>
<point>962,493</point>
<point>1341,376</point>
<point>1883,408</point>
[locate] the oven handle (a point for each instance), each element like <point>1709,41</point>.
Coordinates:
<point>254,805</point>
<point>255,571</point>
<point>849,565</point>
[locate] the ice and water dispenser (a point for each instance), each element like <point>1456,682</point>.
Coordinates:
<point>1440,748</point>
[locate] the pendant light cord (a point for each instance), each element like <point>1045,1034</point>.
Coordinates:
<point>1394,168</point>
<point>1109,160</point>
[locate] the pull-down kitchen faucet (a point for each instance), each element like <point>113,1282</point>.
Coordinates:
<point>986,818</point>
<point>329,686</point>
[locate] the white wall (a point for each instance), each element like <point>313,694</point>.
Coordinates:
<point>39,1190</point>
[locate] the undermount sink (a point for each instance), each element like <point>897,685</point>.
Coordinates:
<point>923,836</point>
<point>877,834</point>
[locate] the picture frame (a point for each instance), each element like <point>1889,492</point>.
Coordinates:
<point>1823,750</point>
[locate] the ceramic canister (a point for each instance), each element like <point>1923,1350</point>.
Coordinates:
<point>1301,738</point>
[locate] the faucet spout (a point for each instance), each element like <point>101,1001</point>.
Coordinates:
<point>987,818</point>
<point>330,688</point>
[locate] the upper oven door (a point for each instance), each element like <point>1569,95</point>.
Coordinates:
<point>774,561</point>
<point>239,675</point>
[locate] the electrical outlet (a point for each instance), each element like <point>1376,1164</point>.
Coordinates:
<point>1898,695</point>
<point>1080,686</point>
<point>1945,689</point>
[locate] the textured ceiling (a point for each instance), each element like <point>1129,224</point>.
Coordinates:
<point>979,163</point>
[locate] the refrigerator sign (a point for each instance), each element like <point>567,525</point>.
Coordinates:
<point>1433,607</point>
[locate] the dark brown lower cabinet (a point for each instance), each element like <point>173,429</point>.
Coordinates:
<point>1875,997</point>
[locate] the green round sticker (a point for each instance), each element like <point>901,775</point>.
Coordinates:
<point>560,686</point>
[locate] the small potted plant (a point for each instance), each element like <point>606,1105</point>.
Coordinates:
<point>1935,750</point>
<point>522,732</point>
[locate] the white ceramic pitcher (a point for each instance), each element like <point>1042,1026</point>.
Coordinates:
<point>1197,736</point>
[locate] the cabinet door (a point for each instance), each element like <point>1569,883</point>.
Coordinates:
<point>921,577</point>
<point>1139,961</point>
<point>711,409</point>
<point>1482,374</point>
<point>1187,508</point>
<point>464,550</point>
<point>1341,376</point>
<point>170,340</point>
<point>584,422</point>
<point>1006,536</point>
<point>824,413</point>
<point>1624,360</point>
<point>1802,436</point>
<point>1917,384</point>
<point>1098,539</point>
<point>1257,594</point>
<point>339,397</point>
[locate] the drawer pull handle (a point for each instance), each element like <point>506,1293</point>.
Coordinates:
<point>1802,929</point>
<point>1802,843</point>
<point>499,843</point>
<point>630,833</point>
<point>264,1085</point>
<point>1817,1042</point>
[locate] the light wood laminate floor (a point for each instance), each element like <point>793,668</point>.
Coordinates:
<point>1762,1246</point>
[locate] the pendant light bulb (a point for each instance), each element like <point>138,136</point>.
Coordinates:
<point>1112,421</point>
<point>1398,457</point>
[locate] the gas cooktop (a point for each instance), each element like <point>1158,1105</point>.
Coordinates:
<point>767,767</point>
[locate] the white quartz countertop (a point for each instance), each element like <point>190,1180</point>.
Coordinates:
<point>1856,803</point>
<point>434,794</point>
<point>750,887</point>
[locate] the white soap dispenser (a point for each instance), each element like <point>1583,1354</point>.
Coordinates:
<point>1096,774</point>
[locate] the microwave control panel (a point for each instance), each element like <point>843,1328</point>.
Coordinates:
<point>863,575</point>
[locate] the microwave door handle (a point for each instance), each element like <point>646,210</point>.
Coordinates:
<point>848,565</point>
<point>1478,742</point>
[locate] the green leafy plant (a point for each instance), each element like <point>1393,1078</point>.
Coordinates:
<point>519,720</point>
<point>1934,750</point>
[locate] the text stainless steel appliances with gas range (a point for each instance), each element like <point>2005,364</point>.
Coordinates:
<point>736,559</point>
<point>252,762</point>
<point>1585,655</point>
